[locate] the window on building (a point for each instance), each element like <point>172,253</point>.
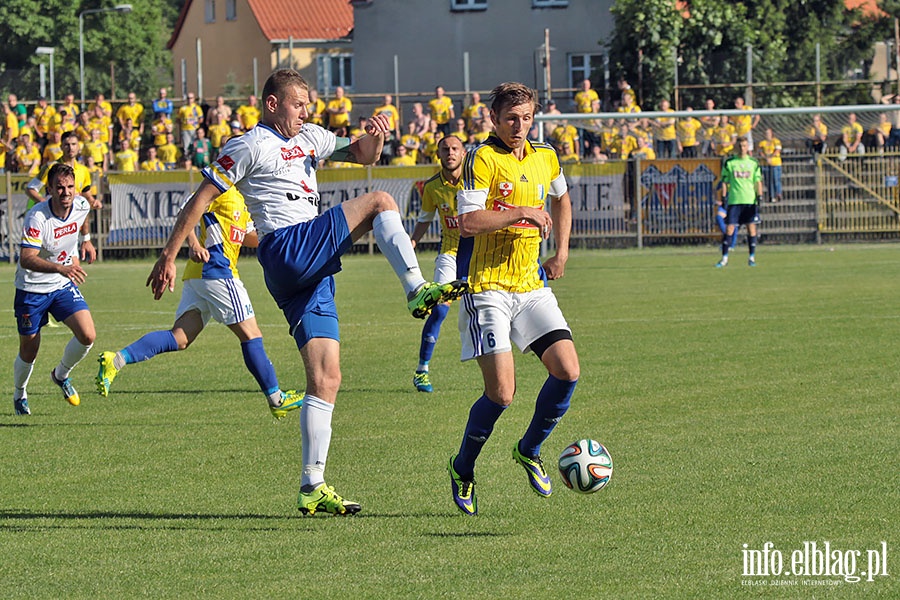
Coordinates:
<point>231,10</point>
<point>335,70</point>
<point>583,66</point>
<point>549,3</point>
<point>210,11</point>
<point>468,4</point>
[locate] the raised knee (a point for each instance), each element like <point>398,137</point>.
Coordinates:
<point>384,201</point>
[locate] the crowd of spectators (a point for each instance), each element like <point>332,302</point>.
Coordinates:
<point>130,138</point>
<point>162,136</point>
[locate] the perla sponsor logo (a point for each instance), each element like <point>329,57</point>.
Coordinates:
<point>64,230</point>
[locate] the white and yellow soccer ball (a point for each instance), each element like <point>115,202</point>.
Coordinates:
<point>586,466</point>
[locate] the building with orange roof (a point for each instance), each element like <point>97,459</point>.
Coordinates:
<point>228,46</point>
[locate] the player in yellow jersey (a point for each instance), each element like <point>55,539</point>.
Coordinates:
<point>212,289</point>
<point>506,183</point>
<point>439,198</point>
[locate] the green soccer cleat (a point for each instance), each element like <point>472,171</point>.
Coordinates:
<point>537,476</point>
<point>290,400</point>
<point>323,498</point>
<point>106,374</point>
<point>429,295</point>
<point>463,491</point>
<point>422,381</point>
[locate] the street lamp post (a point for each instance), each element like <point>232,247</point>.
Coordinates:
<point>120,8</point>
<point>49,51</point>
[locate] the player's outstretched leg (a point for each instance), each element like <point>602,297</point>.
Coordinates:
<point>106,373</point>
<point>423,300</point>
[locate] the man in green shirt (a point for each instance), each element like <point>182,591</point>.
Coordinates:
<point>741,188</point>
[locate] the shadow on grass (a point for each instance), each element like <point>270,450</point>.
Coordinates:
<point>156,521</point>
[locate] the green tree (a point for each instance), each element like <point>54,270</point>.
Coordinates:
<point>133,42</point>
<point>712,37</point>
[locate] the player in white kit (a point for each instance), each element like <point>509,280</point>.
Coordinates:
<point>274,167</point>
<point>47,279</point>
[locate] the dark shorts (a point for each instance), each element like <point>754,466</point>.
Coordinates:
<point>299,263</point>
<point>32,309</point>
<point>742,214</point>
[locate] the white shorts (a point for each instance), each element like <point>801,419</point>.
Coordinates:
<point>445,268</point>
<point>489,321</point>
<point>225,300</point>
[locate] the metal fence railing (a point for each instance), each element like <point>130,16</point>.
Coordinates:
<point>616,203</point>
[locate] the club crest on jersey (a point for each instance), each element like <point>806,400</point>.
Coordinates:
<point>236,215</point>
<point>226,162</point>
<point>65,230</point>
<point>506,188</point>
<point>292,153</point>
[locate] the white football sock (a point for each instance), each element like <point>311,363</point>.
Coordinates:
<point>315,430</point>
<point>393,241</point>
<point>73,354</point>
<point>21,374</point>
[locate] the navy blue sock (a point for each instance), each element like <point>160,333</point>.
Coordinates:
<point>552,403</point>
<point>751,242</point>
<point>724,245</point>
<point>155,342</point>
<point>431,331</point>
<point>259,365</point>
<point>482,417</point>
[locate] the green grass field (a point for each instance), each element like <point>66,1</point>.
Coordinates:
<point>741,406</point>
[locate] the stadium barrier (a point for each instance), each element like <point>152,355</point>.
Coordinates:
<point>617,203</point>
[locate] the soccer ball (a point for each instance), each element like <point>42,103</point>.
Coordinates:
<point>586,466</point>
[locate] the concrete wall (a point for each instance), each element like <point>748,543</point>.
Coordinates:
<point>430,39</point>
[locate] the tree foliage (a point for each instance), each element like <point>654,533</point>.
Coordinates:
<point>128,46</point>
<point>712,37</point>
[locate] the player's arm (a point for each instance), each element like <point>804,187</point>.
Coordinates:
<point>29,258</point>
<point>88,251</point>
<point>33,189</point>
<point>251,240</point>
<point>196,251</point>
<point>475,220</point>
<point>561,213</point>
<point>367,149</point>
<point>162,276</point>
<point>422,225</point>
